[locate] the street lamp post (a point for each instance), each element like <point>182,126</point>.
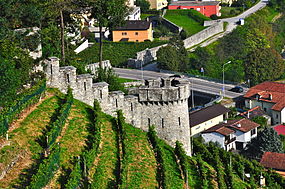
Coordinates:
<point>224,77</point>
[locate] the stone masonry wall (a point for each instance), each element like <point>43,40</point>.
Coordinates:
<point>163,103</point>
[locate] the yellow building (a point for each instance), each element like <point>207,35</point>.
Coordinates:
<point>157,4</point>
<point>136,31</point>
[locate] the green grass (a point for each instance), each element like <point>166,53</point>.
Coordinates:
<point>25,139</point>
<point>139,163</point>
<point>124,80</point>
<point>182,19</point>
<point>106,164</point>
<point>271,14</point>
<point>230,12</point>
<point>117,52</point>
<point>144,16</point>
<point>173,177</point>
<point>74,137</point>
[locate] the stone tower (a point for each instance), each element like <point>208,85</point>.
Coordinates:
<point>162,102</point>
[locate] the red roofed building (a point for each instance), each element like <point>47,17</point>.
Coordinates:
<point>206,8</point>
<point>280,129</point>
<point>270,96</point>
<point>232,134</point>
<point>274,161</point>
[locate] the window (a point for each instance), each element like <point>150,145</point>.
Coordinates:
<point>162,123</point>
<point>276,115</point>
<point>264,109</point>
<point>148,120</point>
<point>179,121</point>
<point>101,94</point>
<point>132,107</point>
<point>124,33</point>
<point>50,69</point>
<point>136,33</point>
<point>116,103</point>
<point>67,77</point>
<point>84,86</point>
<point>253,132</point>
<point>137,40</point>
<point>198,9</point>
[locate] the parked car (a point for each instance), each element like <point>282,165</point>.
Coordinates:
<point>237,89</point>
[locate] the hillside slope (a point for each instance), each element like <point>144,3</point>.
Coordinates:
<point>122,155</point>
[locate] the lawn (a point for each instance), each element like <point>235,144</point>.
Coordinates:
<point>189,23</point>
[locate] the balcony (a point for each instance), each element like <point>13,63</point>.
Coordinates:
<point>228,141</point>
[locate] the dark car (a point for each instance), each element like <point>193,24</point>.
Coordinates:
<point>237,89</point>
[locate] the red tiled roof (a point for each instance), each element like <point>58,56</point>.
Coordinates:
<point>245,125</point>
<point>220,128</point>
<point>269,89</point>
<point>232,125</point>
<point>280,129</point>
<point>273,160</point>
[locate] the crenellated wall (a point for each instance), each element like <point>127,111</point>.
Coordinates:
<point>162,102</point>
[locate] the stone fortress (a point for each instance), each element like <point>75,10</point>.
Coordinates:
<point>162,102</point>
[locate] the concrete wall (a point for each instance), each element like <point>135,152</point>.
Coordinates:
<point>159,102</point>
<point>204,34</point>
<point>173,27</point>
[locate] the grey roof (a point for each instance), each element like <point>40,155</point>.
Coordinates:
<point>194,3</point>
<point>135,25</point>
<point>206,114</point>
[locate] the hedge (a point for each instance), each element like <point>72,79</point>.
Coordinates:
<point>46,170</point>
<point>59,123</point>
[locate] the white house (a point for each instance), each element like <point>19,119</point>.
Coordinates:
<point>232,134</point>
<point>206,118</point>
<point>134,11</point>
<point>222,135</point>
<point>270,96</point>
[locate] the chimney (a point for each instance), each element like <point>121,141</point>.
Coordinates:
<point>248,114</point>
<point>270,96</point>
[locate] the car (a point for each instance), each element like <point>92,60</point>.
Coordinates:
<point>176,75</point>
<point>237,89</point>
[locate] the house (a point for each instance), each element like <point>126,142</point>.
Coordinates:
<point>206,8</point>
<point>232,134</point>
<point>206,118</point>
<point>256,112</point>
<point>134,11</point>
<point>158,4</point>
<point>274,161</point>
<point>270,96</point>
<point>137,31</point>
<point>222,135</point>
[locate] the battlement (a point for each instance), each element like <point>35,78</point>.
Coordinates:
<point>164,90</point>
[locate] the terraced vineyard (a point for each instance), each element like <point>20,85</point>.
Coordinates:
<point>55,146</point>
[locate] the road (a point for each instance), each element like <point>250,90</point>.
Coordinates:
<point>197,84</point>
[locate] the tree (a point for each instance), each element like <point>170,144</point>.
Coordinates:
<point>174,56</point>
<point>143,4</point>
<point>109,14</point>
<point>266,141</point>
<point>263,64</point>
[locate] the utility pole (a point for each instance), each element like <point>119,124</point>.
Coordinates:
<point>224,77</point>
